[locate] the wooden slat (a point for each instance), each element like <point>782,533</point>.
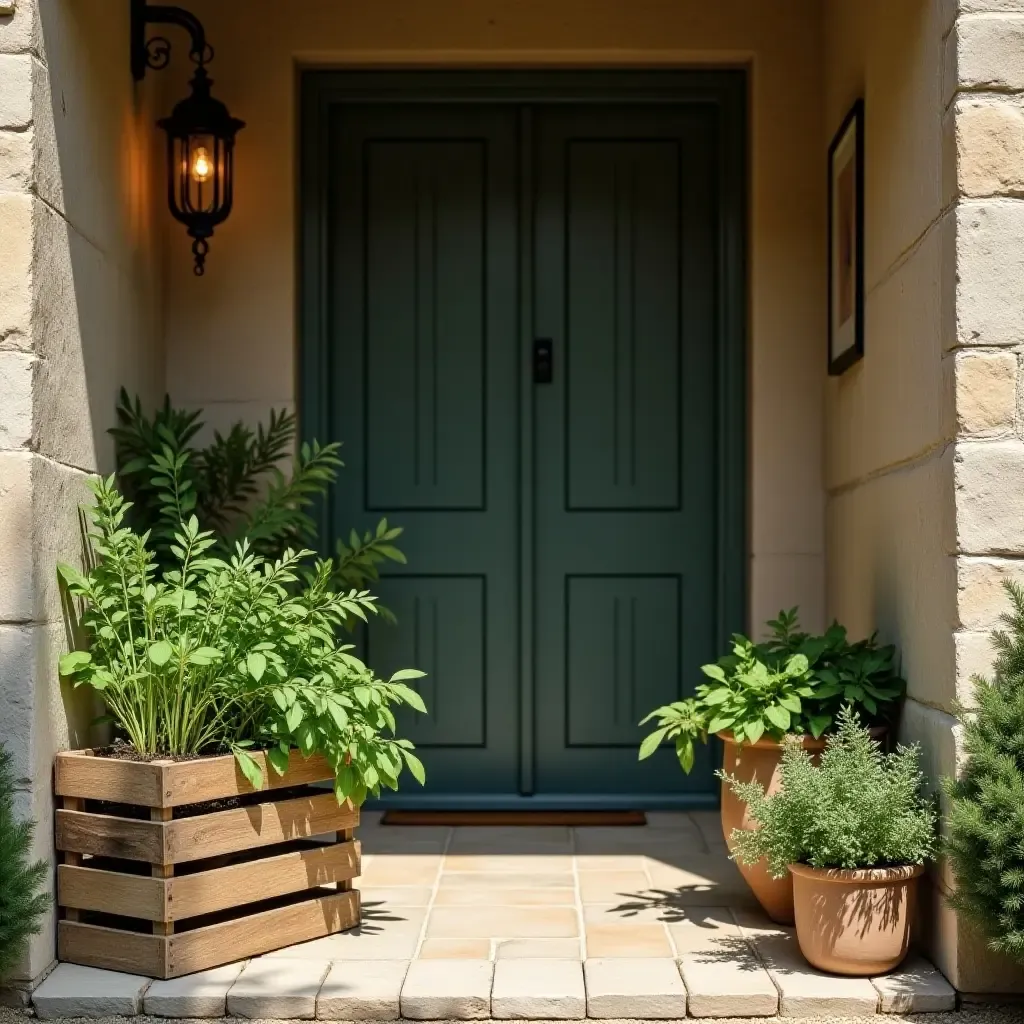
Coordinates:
<point>245,828</point>
<point>207,892</point>
<point>78,773</point>
<point>204,835</point>
<point>214,778</point>
<point>111,892</point>
<point>217,944</point>
<point>111,949</point>
<point>104,835</point>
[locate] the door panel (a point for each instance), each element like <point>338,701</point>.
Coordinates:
<point>425,353</point>
<point>623,640</point>
<point>622,324</point>
<point>442,630</point>
<point>625,455</point>
<point>425,398</point>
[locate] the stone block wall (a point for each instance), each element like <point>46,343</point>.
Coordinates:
<point>983,348</point>
<point>78,318</point>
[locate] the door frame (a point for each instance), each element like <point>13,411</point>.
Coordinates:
<point>323,91</point>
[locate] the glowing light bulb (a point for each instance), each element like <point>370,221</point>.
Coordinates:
<point>202,166</point>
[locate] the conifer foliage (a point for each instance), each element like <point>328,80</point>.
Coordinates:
<point>21,902</point>
<point>985,844</point>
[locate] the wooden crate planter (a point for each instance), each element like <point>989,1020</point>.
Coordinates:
<point>148,889</point>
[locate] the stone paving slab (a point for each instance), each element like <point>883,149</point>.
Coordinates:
<point>277,988</point>
<point>538,990</point>
<point>73,991</point>
<point>494,922</point>
<point>647,989</point>
<point>914,987</point>
<point>362,990</point>
<point>196,995</point>
<point>448,990</point>
<point>538,949</point>
<point>645,940</point>
<point>455,949</point>
<point>722,974</point>
<point>806,992</point>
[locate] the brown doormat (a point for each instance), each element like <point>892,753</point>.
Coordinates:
<point>452,818</point>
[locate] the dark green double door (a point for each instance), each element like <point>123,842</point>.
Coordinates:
<point>561,535</point>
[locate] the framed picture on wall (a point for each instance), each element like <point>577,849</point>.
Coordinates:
<point>846,243</point>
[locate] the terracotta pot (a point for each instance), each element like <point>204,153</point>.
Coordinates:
<point>758,762</point>
<point>854,922</point>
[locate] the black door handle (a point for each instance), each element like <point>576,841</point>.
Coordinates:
<point>543,361</point>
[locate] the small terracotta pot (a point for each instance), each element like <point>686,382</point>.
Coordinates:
<point>854,922</point>
<point>758,762</point>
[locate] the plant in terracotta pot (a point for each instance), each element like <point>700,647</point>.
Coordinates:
<point>854,831</point>
<point>793,683</point>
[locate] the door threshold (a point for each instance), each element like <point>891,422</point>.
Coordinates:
<point>545,802</point>
<point>514,818</point>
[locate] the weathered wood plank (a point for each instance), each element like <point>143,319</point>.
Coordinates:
<point>79,773</point>
<point>104,835</point>
<point>244,828</point>
<point>207,892</point>
<point>111,949</point>
<point>111,892</point>
<point>213,778</point>
<point>210,946</point>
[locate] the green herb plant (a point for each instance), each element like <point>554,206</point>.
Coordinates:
<point>861,674</point>
<point>207,654</point>
<point>986,815</point>
<point>746,695</point>
<point>791,683</point>
<point>236,488</point>
<point>857,808</point>
<point>22,901</point>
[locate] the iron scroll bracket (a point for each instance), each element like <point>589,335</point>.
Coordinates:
<point>155,53</point>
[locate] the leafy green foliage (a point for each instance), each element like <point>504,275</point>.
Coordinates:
<point>21,902</point>
<point>211,654</point>
<point>985,840</point>
<point>861,674</point>
<point>857,808</point>
<point>235,487</point>
<point>752,696</point>
<point>681,722</point>
<point>793,682</point>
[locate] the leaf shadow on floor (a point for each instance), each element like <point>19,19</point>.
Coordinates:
<point>375,915</point>
<point>671,905</point>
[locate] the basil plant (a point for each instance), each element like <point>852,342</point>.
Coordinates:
<point>793,683</point>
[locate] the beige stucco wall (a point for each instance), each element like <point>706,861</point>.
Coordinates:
<point>78,317</point>
<point>231,338</point>
<point>923,459</point>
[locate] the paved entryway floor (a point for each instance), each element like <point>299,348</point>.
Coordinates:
<point>647,922</point>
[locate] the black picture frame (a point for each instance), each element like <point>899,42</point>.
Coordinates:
<point>846,249</point>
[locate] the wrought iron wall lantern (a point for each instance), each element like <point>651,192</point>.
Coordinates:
<point>200,130</point>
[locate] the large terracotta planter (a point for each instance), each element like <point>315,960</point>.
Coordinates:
<point>854,922</point>
<point>758,762</point>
